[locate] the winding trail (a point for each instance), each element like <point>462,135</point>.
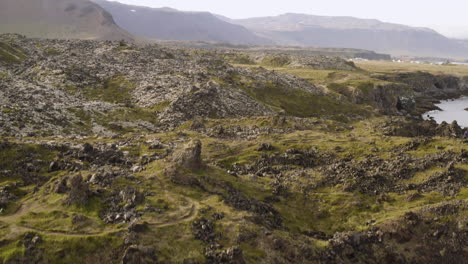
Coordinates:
<point>189,215</point>
<point>184,214</point>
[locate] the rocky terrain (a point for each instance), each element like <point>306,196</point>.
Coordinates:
<point>112,152</point>
<point>275,59</point>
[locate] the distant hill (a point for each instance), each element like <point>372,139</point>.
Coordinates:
<point>66,19</point>
<point>463,42</point>
<point>171,24</point>
<point>349,32</point>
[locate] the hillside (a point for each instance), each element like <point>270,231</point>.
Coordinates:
<point>349,32</point>
<point>118,153</point>
<point>65,19</point>
<point>170,24</point>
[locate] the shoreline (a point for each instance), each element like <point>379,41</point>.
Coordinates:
<point>449,111</point>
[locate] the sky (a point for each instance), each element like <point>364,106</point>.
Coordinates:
<point>446,16</point>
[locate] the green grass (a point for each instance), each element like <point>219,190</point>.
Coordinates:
<point>80,249</point>
<point>11,55</point>
<point>112,120</point>
<point>243,59</point>
<point>175,243</point>
<point>11,251</point>
<point>51,52</point>
<point>4,229</point>
<point>16,154</point>
<point>394,67</point>
<point>60,221</point>
<point>276,61</point>
<point>114,90</point>
<point>298,102</point>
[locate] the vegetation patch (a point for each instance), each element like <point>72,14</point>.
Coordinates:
<point>300,103</point>
<point>13,156</point>
<point>11,55</point>
<point>276,61</point>
<point>115,90</point>
<point>51,52</point>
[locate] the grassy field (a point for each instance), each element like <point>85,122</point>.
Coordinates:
<point>393,67</point>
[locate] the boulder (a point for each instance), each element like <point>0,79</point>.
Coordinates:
<point>232,255</point>
<point>79,191</point>
<point>139,255</point>
<point>190,157</point>
<point>449,130</point>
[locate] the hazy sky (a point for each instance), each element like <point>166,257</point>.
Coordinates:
<point>447,16</point>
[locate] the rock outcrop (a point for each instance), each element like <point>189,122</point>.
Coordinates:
<point>78,193</point>
<point>190,156</point>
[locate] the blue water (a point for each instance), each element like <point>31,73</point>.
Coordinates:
<point>451,110</point>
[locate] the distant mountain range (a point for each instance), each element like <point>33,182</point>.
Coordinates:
<point>170,24</point>
<point>66,19</point>
<point>349,32</point>
<point>84,19</point>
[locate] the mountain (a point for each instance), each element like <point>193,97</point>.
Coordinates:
<point>171,24</point>
<point>463,42</point>
<point>67,19</point>
<point>349,32</point>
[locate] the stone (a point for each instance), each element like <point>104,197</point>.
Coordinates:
<point>190,157</point>
<point>265,147</point>
<point>61,185</point>
<point>139,255</point>
<point>79,191</point>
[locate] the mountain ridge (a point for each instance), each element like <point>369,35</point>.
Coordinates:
<point>351,32</point>
<point>346,21</point>
<point>289,29</point>
<point>67,19</point>
<point>164,24</point>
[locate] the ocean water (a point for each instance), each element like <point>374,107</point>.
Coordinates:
<point>451,110</point>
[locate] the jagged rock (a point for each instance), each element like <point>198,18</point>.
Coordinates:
<point>136,169</point>
<point>6,197</point>
<point>190,157</point>
<point>203,229</point>
<point>32,250</point>
<point>62,186</point>
<point>79,191</point>
<point>317,62</point>
<point>156,145</point>
<point>121,206</point>
<point>88,148</point>
<point>105,175</point>
<point>139,255</point>
<point>449,130</point>
<point>212,100</point>
<point>375,176</point>
<point>266,147</point>
<point>232,255</point>
<point>197,125</point>
<point>274,163</point>
<point>130,196</point>
<point>137,227</point>
<point>54,166</point>
<point>265,214</point>
<point>218,216</point>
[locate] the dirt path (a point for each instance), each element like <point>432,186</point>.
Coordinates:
<point>184,214</point>
<point>189,215</point>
